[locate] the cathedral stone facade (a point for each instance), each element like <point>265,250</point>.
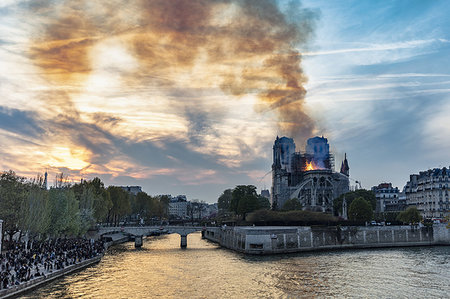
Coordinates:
<point>308,175</point>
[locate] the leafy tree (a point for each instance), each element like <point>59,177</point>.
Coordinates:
<point>263,203</point>
<point>247,204</point>
<point>163,206</point>
<point>360,210</point>
<point>35,211</point>
<point>146,206</point>
<point>141,205</point>
<point>86,205</point>
<point>74,224</point>
<point>154,207</point>
<point>64,212</point>
<point>244,199</point>
<point>411,215</point>
<point>224,200</point>
<point>13,192</point>
<point>292,204</point>
<point>240,192</point>
<point>368,195</point>
<point>61,181</point>
<point>120,204</point>
<point>101,201</point>
<point>387,216</point>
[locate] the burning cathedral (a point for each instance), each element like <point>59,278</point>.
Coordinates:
<point>308,176</point>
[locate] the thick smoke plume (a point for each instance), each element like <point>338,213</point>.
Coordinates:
<point>242,47</point>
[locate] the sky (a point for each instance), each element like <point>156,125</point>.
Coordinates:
<point>187,97</point>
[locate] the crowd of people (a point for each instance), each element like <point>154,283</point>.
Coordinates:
<point>25,261</point>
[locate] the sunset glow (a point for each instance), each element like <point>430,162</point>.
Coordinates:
<point>170,94</point>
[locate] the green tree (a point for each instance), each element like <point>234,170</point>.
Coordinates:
<point>411,215</point>
<point>35,211</point>
<point>360,210</point>
<point>292,204</point>
<point>368,195</point>
<point>121,205</point>
<point>13,192</point>
<point>224,200</point>
<point>163,206</point>
<point>64,212</point>
<point>244,200</point>
<point>263,203</point>
<point>246,205</point>
<point>86,205</point>
<point>146,206</point>
<point>101,201</point>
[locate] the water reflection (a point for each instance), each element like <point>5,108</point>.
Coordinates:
<point>203,270</point>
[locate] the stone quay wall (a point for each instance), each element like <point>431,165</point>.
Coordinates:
<point>272,240</point>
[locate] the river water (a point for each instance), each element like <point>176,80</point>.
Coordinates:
<point>204,270</point>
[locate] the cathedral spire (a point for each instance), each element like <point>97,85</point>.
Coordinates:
<point>45,180</point>
<point>344,166</point>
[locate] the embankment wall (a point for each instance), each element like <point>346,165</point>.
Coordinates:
<point>271,240</point>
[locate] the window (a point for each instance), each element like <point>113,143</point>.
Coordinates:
<point>256,246</point>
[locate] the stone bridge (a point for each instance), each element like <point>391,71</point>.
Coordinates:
<point>140,231</point>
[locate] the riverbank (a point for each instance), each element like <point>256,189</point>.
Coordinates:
<point>37,282</point>
<point>275,240</point>
<point>163,270</point>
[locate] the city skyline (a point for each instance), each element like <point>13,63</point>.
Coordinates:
<point>90,90</point>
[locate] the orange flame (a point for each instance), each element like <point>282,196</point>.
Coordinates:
<point>310,166</point>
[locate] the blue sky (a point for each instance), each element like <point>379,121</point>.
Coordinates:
<point>378,82</point>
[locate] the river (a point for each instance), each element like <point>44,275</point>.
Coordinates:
<point>204,270</point>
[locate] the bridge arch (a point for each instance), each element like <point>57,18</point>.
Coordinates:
<point>140,231</point>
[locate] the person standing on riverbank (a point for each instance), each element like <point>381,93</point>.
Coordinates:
<point>20,265</point>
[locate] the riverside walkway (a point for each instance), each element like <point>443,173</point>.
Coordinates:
<point>22,267</point>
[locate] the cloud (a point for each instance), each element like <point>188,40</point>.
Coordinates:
<point>22,123</point>
<point>380,47</point>
<point>191,90</point>
<point>172,39</point>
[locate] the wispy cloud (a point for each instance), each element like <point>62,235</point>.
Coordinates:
<point>380,47</point>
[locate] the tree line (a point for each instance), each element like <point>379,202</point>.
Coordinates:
<point>243,200</point>
<point>361,205</point>
<point>27,207</point>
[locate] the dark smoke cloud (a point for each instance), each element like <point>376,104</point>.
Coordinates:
<point>248,46</point>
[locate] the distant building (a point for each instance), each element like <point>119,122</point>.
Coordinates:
<point>132,189</point>
<point>178,207</point>
<point>402,198</point>
<point>308,176</point>
<point>429,192</point>
<point>388,198</point>
<point>211,210</point>
<point>265,193</point>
